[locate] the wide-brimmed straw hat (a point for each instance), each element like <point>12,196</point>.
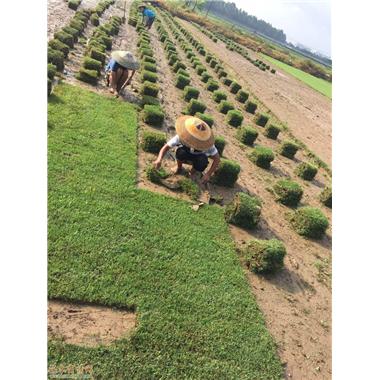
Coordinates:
<point>194,133</point>
<point>125,59</point>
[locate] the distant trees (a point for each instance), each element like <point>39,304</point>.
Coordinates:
<point>230,11</point>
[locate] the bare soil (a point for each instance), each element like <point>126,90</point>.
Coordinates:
<point>307,112</point>
<point>297,301</point>
<point>86,325</point>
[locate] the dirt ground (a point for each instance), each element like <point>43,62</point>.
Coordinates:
<point>86,325</point>
<point>297,301</point>
<point>306,111</point>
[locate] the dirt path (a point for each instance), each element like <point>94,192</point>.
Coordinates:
<point>307,113</point>
<point>297,301</point>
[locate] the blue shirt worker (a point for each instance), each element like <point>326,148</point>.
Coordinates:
<point>194,143</point>
<point>120,70</point>
<point>148,15</point>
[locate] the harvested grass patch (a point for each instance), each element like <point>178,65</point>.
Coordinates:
<point>234,118</point>
<point>108,245</point>
<point>227,173</point>
<point>225,106</point>
<point>287,192</point>
<point>265,256</point>
<point>326,196</point>
<point>220,144</point>
<point>309,222</point>
<point>261,156</point>
<point>152,142</point>
<point>306,171</point>
<point>243,211</point>
<point>288,149</point>
<point>250,106</point>
<point>272,131</point>
<point>190,93</point>
<point>195,106</point>
<point>153,115</point>
<point>247,135</point>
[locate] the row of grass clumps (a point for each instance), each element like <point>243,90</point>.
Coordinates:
<point>63,41</point>
<point>95,56</point>
<point>244,211</point>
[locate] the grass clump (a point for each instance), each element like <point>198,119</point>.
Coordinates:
<point>235,87</point>
<point>92,64</point>
<point>51,71</point>
<point>74,4</point>
<point>212,85</point>
<point>183,72</point>
<point>94,18</point>
<point>149,76</point>
<point>190,188</point>
<point>261,156</point>
<point>205,77</point>
<point>306,171</point>
<point>195,106</point>
<point>148,59</point>
<point>288,149</point>
<point>98,55</point>
<point>208,119</point>
<point>147,66</point>
<point>149,88</point>
<point>227,173</point>
<point>261,119</point>
<point>247,135</point>
<point>152,142</point>
<point>153,115</point>
<point>326,196</point>
<point>190,93</point>
<point>220,144</point>
<point>242,96</point>
<point>234,118</point>
<point>146,99</point>
<point>272,131</point>
<point>225,106</point>
<point>179,65</point>
<point>56,58</point>
<point>155,175</point>
<point>288,192</point>
<point>200,69</point>
<point>227,81</point>
<point>60,46</point>
<point>244,211</point>
<point>265,256</point>
<point>88,76</point>
<point>309,222</point>
<point>182,81</point>
<point>66,38</point>
<point>250,106</point>
<point>219,95</point>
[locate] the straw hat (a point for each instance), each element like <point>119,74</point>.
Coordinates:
<point>194,133</point>
<point>125,59</point>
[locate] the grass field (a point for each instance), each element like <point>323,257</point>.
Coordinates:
<point>321,85</point>
<point>113,244</point>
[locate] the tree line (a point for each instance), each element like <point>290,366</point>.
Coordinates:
<point>230,11</point>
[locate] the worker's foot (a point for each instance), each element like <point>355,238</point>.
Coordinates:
<point>112,91</point>
<point>176,169</point>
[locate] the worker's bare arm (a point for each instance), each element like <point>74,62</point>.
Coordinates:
<point>164,149</point>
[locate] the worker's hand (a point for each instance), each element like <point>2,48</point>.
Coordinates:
<point>205,178</point>
<point>157,164</point>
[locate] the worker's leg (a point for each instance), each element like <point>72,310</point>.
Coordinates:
<point>181,156</point>
<point>122,80</point>
<point>115,77</point>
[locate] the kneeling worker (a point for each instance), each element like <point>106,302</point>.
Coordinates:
<point>195,143</point>
<point>118,70</point>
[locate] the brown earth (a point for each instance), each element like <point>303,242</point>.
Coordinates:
<point>86,325</point>
<point>297,301</point>
<point>306,111</point>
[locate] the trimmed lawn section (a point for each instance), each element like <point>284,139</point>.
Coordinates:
<point>113,244</point>
<point>321,85</point>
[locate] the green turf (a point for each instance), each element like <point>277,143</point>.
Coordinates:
<point>113,244</point>
<point>321,85</point>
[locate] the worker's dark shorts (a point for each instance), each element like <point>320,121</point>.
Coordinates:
<point>199,161</point>
<point>149,21</point>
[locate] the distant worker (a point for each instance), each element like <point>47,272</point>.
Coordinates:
<point>118,70</point>
<point>195,143</point>
<point>148,15</point>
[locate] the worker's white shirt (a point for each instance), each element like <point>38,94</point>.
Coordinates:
<point>175,141</point>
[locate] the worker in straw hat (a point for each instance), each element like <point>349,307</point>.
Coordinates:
<point>194,143</point>
<point>148,14</point>
<point>120,70</point>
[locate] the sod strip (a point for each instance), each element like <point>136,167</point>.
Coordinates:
<point>113,244</point>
